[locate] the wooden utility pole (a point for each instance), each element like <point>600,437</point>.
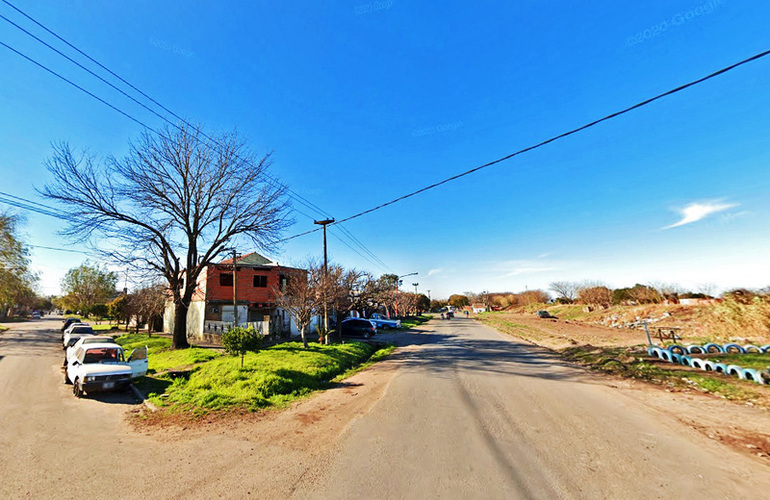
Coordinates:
<point>235,290</point>
<point>324,223</point>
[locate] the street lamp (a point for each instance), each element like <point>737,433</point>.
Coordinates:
<point>415,287</point>
<point>400,282</point>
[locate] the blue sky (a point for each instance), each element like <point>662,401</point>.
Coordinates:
<point>362,102</point>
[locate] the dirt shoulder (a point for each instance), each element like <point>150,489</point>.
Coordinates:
<point>743,424</point>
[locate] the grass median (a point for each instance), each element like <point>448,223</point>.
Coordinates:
<point>203,380</point>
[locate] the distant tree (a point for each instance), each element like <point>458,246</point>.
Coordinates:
<point>86,286</point>
<point>423,303</point>
<point>458,301</point>
<point>565,290</point>
<point>100,310</point>
<point>534,297</point>
<point>118,309</point>
<point>172,206</point>
<point>301,297</point>
<point>17,283</point>
<point>435,305</point>
<point>148,303</point>
<point>596,296</point>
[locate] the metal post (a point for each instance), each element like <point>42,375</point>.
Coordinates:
<point>324,223</point>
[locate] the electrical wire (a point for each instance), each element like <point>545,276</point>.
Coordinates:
<point>545,142</point>
<point>292,194</point>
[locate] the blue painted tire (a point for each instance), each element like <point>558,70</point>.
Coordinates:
<point>665,355</point>
<point>728,347</point>
<point>753,375</point>
<point>708,366</point>
<point>734,370</point>
<point>766,348</point>
<point>651,351</point>
<point>695,349</point>
<point>676,349</point>
<point>712,347</point>
<point>685,361</point>
<point>720,368</point>
<point>676,358</point>
<point>752,348</point>
<point>696,363</point>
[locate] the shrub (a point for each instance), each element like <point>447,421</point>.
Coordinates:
<point>241,340</point>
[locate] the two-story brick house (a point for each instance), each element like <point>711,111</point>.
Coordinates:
<point>252,286</point>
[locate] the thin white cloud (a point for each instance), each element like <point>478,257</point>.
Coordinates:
<point>433,272</point>
<point>529,270</point>
<point>697,211</point>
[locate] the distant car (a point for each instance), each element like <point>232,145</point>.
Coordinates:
<point>103,367</point>
<point>545,315</point>
<point>89,339</point>
<point>381,321</point>
<point>357,327</point>
<point>74,332</point>
<point>450,314</point>
<point>35,315</point>
<point>67,323</point>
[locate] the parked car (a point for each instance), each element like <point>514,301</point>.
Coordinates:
<point>89,339</point>
<point>103,367</point>
<point>74,332</point>
<point>545,315</point>
<point>357,327</point>
<point>35,315</point>
<point>67,323</point>
<point>381,321</point>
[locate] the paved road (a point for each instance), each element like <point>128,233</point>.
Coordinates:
<point>468,414</point>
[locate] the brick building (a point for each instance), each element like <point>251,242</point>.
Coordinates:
<point>256,278</point>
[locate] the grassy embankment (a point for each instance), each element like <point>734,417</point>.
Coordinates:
<point>634,362</point>
<point>412,321</point>
<point>202,380</point>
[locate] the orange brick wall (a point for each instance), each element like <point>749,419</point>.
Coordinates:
<point>245,283</point>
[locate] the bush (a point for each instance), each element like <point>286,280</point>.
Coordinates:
<point>241,340</point>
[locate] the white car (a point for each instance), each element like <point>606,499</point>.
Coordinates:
<point>103,367</point>
<point>73,333</point>
<point>88,339</point>
<point>381,321</point>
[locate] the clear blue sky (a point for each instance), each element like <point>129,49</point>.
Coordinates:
<point>364,101</point>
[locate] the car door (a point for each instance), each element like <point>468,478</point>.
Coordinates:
<point>138,362</point>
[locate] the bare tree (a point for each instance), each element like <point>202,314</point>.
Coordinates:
<point>566,290</point>
<point>596,295</point>
<point>171,206</point>
<point>301,296</point>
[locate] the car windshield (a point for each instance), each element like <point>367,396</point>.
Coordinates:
<point>82,329</point>
<point>102,355</point>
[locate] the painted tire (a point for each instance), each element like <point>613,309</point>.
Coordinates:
<point>736,347</point>
<point>766,348</point>
<point>665,355</point>
<point>734,370</point>
<point>753,375</point>
<point>696,349</point>
<point>752,348</point>
<point>708,366</point>
<point>697,363</point>
<point>651,352</point>
<point>685,361</point>
<point>720,368</point>
<point>712,347</point>
<point>676,349</point>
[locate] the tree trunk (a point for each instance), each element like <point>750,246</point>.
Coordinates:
<point>302,333</point>
<point>179,337</point>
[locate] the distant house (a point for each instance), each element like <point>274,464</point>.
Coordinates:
<point>212,310</point>
<point>478,308</point>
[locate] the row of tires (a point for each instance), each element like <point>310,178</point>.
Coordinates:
<point>712,348</point>
<point>669,355</point>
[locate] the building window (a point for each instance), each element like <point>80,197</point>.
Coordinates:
<point>225,279</point>
<point>283,280</point>
<point>260,281</point>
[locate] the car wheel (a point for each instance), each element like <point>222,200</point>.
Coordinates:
<point>77,390</point>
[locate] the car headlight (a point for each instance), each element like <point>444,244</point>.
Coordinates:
<point>90,378</point>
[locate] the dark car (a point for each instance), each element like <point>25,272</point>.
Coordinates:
<point>545,315</point>
<point>355,327</point>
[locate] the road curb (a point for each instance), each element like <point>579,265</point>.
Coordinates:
<point>143,399</point>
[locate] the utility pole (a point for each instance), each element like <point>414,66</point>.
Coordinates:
<point>324,223</point>
<point>235,289</point>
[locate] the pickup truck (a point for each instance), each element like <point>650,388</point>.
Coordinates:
<point>103,367</point>
<point>384,323</point>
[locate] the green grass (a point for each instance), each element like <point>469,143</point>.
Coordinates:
<point>161,357</point>
<point>273,376</point>
<point>412,321</point>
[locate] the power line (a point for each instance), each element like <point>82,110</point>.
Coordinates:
<point>297,197</point>
<point>57,249</point>
<point>545,142</point>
